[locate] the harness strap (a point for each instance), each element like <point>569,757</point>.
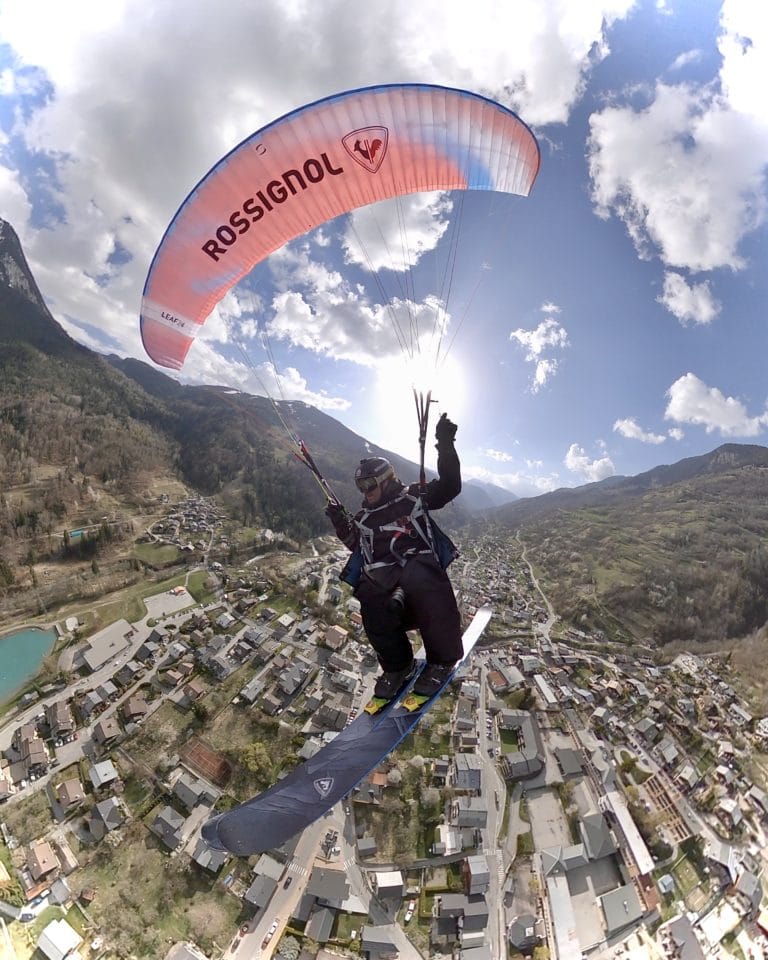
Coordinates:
<point>418,510</point>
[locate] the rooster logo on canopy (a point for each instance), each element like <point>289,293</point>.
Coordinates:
<point>367,146</point>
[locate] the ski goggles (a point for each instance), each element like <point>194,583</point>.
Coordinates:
<point>366,484</point>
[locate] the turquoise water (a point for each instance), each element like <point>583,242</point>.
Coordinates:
<point>21,654</point>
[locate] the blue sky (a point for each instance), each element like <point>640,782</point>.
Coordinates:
<point>612,321</point>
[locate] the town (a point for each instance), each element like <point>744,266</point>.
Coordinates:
<point>567,798</point>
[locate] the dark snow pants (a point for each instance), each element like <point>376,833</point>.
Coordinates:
<point>430,607</point>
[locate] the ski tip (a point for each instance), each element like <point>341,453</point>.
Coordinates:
<point>210,833</point>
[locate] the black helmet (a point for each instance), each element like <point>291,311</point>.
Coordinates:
<point>372,472</point>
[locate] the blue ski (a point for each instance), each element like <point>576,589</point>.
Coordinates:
<point>310,790</point>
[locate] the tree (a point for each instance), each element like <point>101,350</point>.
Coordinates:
<point>201,712</point>
<point>289,948</point>
<point>256,759</point>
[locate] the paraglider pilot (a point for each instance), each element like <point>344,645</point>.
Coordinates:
<point>401,556</point>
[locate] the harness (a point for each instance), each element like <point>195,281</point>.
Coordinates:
<point>399,530</point>
<point>434,541</point>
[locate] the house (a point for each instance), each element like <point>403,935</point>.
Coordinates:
<point>749,890</point>
<point>759,799</point>
<point>157,637</point>
<point>34,756</point>
<point>596,836</point>
<point>440,769</point>
<point>530,758</point>
<point>726,859</point>
<point>621,909</point>
<point>459,914</point>
<point>530,664</point>
<point>208,858</point>
<point>525,933</point>
<point>168,825</point>
<point>319,926</point>
<point>252,690</point>
<point>560,859</point>
<point>330,717</point>
<point>570,762</point>
<point>42,862</point>
<point>378,942</point>
<point>468,772</point>
<point>260,892</point>
<point>470,812</point>
<point>668,752</point>
<point>103,774</point>
<point>476,875</point>
<point>336,637</point>
<point>106,731</point>
<point>129,673</point>
<point>148,652</point>
<point>106,815</point>
<point>193,690</point>
<point>59,940</point>
<point>739,715</point>
<point>367,847</point>
<point>682,937</point>
<point>6,784</point>
<point>70,793</point>
<point>191,791</point>
<point>91,703</point>
<point>648,730</point>
<point>292,678</point>
<point>135,708</point>
<point>328,884</point>
<point>389,884</point>
<point>176,650</point>
<point>688,776</point>
<point>60,720</point>
<point>729,812</point>
<point>108,691</point>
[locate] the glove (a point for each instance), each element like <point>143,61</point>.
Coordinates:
<point>335,512</point>
<point>445,431</point>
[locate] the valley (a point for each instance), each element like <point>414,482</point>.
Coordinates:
<point>565,772</point>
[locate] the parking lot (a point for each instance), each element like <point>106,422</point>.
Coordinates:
<point>548,823</point>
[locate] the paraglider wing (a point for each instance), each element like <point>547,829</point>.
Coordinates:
<point>310,166</point>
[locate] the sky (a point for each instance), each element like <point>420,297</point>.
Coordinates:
<point>613,320</point>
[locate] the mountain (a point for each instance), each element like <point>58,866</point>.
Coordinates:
<point>676,555</point>
<point>722,460</point>
<point>83,436</point>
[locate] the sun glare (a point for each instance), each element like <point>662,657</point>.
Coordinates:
<point>397,427</point>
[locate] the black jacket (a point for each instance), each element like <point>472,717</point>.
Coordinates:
<point>396,528</point>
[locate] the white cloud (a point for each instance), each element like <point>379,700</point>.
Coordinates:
<point>686,173</point>
<point>577,461</point>
<point>688,302</point>
<point>520,483</point>
<point>675,433</point>
<point>319,310</point>
<point>16,206</point>
<point>692,401</point>
<point>206,365</point>
<point>395,234</point>
<point>633,431</point>
<point>549,335</point>
<point>133,124</point>
<point>498,455</point>
<point>683,59</point>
